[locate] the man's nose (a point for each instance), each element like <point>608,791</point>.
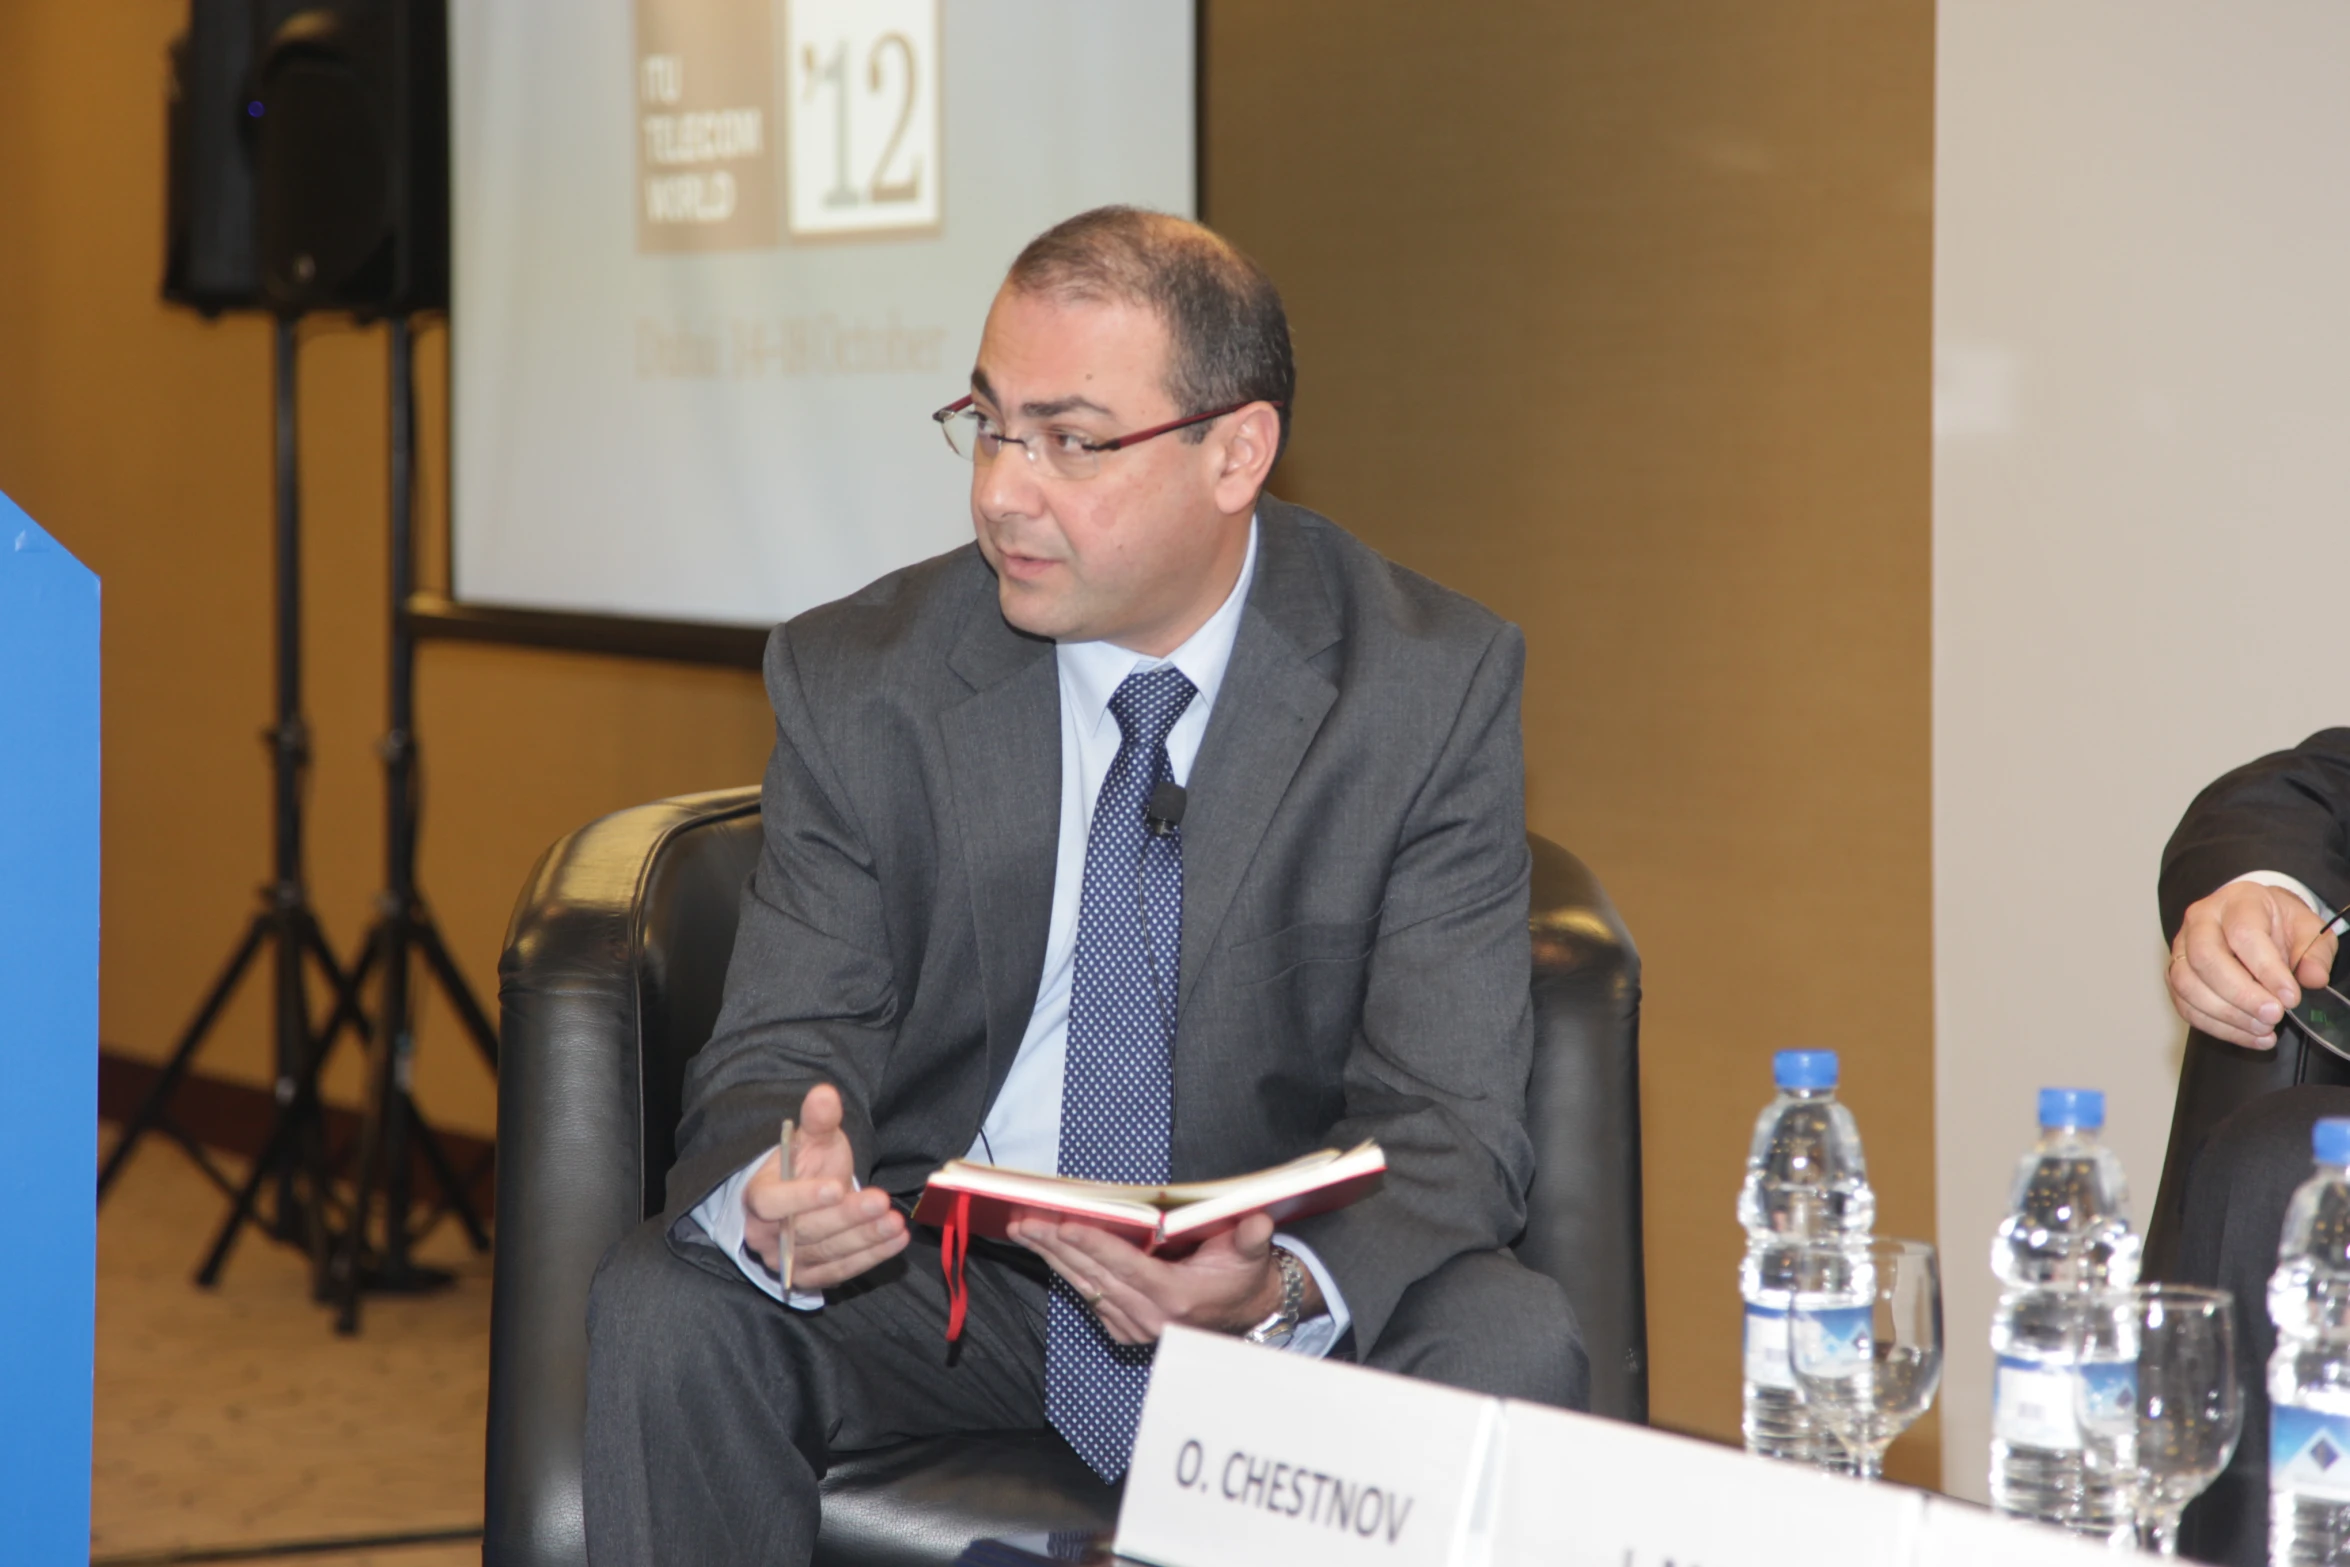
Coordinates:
<point>1007,486</point>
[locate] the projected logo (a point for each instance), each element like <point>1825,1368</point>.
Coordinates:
<point>862,103</point>
<point>705,87</point>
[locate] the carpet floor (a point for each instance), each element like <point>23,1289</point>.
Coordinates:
<point>238,1418</point>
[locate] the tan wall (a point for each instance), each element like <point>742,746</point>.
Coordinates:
<point>140,435</point>
<point>1614,316</point>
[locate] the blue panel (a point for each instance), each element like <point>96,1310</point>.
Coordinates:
<point>48,1040</point>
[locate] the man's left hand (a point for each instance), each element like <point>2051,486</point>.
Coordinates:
<point>1229,1285</point>
<point>2231,971</point>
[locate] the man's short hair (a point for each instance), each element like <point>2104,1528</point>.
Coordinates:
<point>1230,334</point>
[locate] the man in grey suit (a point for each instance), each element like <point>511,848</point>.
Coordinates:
<point>1164,833</point>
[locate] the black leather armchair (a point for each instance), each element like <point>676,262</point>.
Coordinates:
<point>2229,1522</point>
<point>2215,1081</point>
<point>611,977</point>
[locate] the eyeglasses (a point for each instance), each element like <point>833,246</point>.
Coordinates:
<point>1062,453</point>
<point>2324,1012</point>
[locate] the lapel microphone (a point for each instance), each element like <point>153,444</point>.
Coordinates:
<point>1163,812</point>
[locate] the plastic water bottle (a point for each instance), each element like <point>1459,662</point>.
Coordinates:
<point>1805,1181</point>
<point>2309,1375</point>
<point>2066,1238</point>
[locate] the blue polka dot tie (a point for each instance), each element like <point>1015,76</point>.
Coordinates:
<point>1118,1087</point>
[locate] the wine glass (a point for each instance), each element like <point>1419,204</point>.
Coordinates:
<point>2174,1423</point>
<point>1864,1340</point>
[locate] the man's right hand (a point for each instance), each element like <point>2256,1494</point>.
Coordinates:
<point>837,1231</point>
<point>2231,969</point>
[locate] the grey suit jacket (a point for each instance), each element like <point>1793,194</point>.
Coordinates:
<point>1355,954</point>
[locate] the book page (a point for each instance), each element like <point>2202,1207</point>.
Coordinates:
<point>1135,1204</point>
<point>1182,1193</point>
<point>1148,1205</point>
<point>1222,1200</point>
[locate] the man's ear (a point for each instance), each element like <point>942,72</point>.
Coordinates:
<point>1246,447</point>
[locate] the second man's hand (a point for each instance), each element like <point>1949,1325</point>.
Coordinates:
<point>2231,969</point>
<point>837,1231</point>
<point>1229,1285</point>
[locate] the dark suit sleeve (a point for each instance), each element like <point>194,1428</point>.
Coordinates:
<point>1438,1068</point>
<point>2287,812</point>
<point>811,994</point>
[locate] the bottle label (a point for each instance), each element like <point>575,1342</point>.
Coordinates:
<point>2108,1399</point>
<point>2309,1453</point>
<point>1766,1347</point>
<point>1832,1341</point>
<point>2034,1404</point>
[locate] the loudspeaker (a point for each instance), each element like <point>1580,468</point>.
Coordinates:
<point>208,260</point>
<point>351,155</point>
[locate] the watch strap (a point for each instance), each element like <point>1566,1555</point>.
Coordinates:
<point>1280,1325</point>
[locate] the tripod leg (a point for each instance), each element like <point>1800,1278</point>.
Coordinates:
<point>398,1114</point>
<point>300,1217</point>
<point>272,1154</point>
<point>183,1054</point>
<point>300,1120</point>
<point>477,1022</point>
<point>349,1011</point>
<point>347,986</point>
<point>391,1151</point>
<point>299,1116</point>
<point>202,1160</point>
<point>456,1198</point>
<point>382,1105</point>
<point>470,1180</point>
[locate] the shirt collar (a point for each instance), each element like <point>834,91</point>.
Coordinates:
<point>1093,671</point>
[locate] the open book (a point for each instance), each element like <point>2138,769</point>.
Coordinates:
<point>982,1199</point>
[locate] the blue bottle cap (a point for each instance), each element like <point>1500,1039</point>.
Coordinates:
<point>2075,1107</point>
<point>1804,1069</point>
<point>2330,1140</point>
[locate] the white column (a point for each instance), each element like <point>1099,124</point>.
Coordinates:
<point>2141,537</point>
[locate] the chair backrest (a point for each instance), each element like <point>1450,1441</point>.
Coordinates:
<point>2215,1081</point>
<point>617,949</point>
<point>1583,1224</point>
<point>614,964</point>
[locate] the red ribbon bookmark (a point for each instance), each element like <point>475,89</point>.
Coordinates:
<point>954,1244</point>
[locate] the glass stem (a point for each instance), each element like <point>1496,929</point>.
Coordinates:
<point>2162,1531</point>
<point>1869,1463</point>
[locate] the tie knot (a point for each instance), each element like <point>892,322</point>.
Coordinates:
<point>1147,703</point>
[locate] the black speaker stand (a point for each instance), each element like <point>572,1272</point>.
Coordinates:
<point>295,1157</point>
<point>403,931</point>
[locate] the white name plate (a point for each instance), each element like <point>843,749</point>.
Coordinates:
<point>1249,1457</point>
<point>1571,1489</point>
<point>1957,1535</point>
<point>1578,1491</point>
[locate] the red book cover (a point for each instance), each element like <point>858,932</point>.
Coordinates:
<point>1168,1221</point>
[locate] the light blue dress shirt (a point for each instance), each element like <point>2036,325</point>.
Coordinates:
<point>1023,1126</point>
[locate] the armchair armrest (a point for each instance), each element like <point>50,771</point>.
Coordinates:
<point>1583,1217</point>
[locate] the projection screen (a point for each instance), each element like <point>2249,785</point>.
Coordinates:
<point>716,261</point>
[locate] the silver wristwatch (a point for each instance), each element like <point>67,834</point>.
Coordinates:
<point>1281,1326</point>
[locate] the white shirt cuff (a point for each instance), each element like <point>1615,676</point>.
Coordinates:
<point>2299,890</point>
<point>1316,1336</point>
<point>721,1217</point>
